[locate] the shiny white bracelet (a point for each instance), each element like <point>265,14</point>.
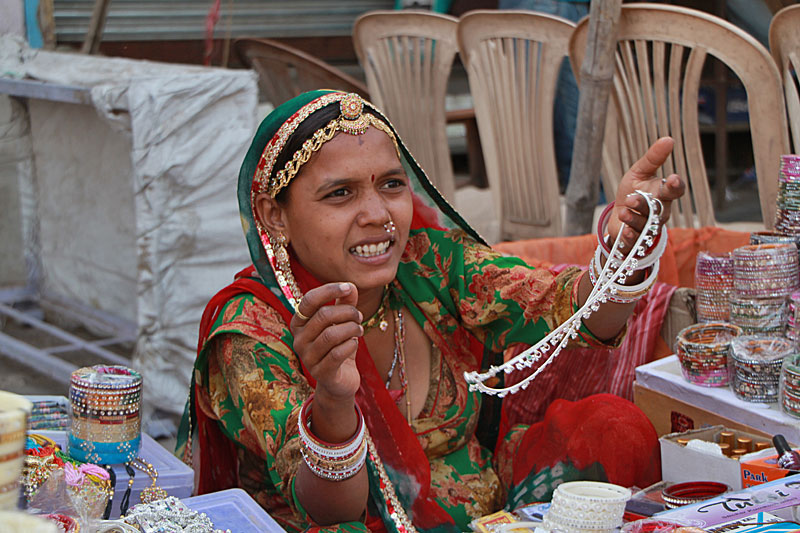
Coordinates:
<point>644,258</point>
<point>623,294</point>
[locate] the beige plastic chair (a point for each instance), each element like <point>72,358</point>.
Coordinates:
<point>784,41</point>
<point>513,59</point>
<point>660,54</point>
<point>407,57</point>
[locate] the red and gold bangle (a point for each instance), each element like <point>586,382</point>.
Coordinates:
<point>327,460</point>
<point>692,492</point>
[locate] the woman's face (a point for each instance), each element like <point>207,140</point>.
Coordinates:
<point>339,204</point>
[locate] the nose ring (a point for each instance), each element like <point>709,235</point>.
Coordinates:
<point>390,227</point>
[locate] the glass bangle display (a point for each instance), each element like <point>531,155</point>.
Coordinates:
<point>106,422</point>
<point>787,215</point>
<point>756,367</point>
<point>714,284</point>
<point>703,351</point>
<point>765,270</point>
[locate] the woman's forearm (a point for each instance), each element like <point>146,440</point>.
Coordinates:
<point>331,502</point>
<point>610,318</point>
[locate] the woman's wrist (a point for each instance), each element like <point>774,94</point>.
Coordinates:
<point>334,418</point>
<point>337,460</point>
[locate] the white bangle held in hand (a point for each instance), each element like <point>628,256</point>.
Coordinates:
<point>615,270</point>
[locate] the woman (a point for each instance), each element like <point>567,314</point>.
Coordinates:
<point>370,293</point>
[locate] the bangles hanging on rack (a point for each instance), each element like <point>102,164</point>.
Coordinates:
<point>615,271</point>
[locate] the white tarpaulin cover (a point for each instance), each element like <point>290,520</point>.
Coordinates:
<point>136,194</point>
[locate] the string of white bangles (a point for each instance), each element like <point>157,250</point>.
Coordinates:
<point>607,286</point>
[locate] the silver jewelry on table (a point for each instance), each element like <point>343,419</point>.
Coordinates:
<point>169,515</point>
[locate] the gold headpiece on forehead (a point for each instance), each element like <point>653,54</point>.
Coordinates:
<point>352,120</point>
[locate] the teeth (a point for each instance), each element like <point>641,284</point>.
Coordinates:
<point>370,250</point>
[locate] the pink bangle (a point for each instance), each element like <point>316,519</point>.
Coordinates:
<point>601,227</point>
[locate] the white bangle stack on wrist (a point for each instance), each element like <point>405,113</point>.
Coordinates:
<point>647,259</point>
<point>335,462</point>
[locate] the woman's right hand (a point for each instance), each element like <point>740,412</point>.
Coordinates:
<point>328,341</point>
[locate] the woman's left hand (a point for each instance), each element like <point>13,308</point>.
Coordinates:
<point>631,209</point>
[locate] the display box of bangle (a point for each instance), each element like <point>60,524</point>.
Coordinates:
<point>175,477</point>
<point>710,454</point>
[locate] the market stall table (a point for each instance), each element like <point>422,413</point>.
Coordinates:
<point>672,404</point>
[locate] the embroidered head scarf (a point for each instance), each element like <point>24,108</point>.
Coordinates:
<point>258,173</point>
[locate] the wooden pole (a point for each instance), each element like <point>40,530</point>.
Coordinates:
<point>95,32</point>
<point>597,73</point>
<point>47,24</point>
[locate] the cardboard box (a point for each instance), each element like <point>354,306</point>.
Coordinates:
<point>761,467</point>
<point>679,463</point>
<point>670,415</point>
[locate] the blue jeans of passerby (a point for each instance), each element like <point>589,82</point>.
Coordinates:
<point>566,103</point>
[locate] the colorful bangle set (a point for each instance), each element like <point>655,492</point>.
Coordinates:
<point>759,316</point>
<point>335,462</point>
<point>790,385</point>
<point>765,270</point>
<point>756,367</point>
<point>703,351</point>
<point>106,422</point>
<point>792,321</point>
<point>787,215</point>
<point>14,412</point>
<point>713,278</point>
<point>773,237</point>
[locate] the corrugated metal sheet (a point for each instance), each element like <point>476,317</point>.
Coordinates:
<point>130,20</point>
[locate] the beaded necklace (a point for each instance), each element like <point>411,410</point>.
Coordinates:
<point>379,318</point>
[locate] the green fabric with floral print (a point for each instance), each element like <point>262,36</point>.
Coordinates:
<point>254,384</point>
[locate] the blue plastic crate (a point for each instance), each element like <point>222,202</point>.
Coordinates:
<point>174,476</point>
<point>234,509</point>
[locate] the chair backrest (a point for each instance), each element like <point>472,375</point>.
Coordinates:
<point>284,71</point>
<point>513,60</point>
<point>784,42</point>
<point>407,57</point>
<point>660,54</point>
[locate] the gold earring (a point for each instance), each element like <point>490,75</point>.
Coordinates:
<point>283,269</point>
